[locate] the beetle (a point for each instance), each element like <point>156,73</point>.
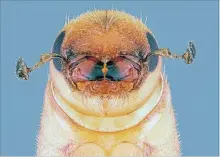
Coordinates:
<point>107,94</point>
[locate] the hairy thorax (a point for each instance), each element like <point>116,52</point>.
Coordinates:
<point>144,131</point>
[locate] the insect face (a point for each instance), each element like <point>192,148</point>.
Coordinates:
<point>105,60</point>
<point>105,57</point>
<point>105,53</point>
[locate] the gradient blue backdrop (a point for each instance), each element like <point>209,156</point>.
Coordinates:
<point>29,29</point>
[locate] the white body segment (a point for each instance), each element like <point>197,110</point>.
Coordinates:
<point>149,130</point>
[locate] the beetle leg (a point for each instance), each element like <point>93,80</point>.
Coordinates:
<point>188,56</point>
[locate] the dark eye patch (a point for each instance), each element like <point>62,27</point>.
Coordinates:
<point>88,69</point>
<point>153,60</point>
<point>122,69</point>
<point>57,49</point>
<point>96,73</point>
<point>113,73</point>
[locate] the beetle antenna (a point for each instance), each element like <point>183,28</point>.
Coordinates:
<point>23,71</point>
<point>188,56</point>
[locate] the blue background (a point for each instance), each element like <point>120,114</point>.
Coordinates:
<point>29,28</point>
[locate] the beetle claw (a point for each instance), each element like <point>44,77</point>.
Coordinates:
<point>190,53</point>
<point>192,49</point>
<point>22,70</point>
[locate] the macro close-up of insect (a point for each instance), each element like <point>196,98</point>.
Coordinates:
<point>107,94</point>
<point>109,78</point>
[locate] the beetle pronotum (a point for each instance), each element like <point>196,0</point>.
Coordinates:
<point>107,95</point>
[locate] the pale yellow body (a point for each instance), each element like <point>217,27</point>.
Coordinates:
<point>156,135</point>
<point>143,126</point>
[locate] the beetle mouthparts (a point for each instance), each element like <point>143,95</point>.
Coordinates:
<point>22,70</point>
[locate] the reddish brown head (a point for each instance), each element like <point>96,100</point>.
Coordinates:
<point>105,52</point>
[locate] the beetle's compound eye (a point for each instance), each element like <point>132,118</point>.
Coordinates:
<point>152,60</point>
<point>57,49</point>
